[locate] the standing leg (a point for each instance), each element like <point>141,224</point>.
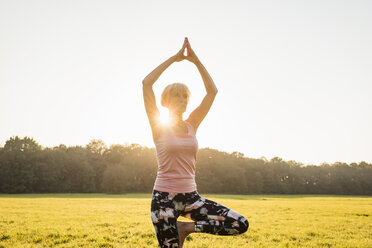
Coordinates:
<point>214,218</point>
<point>184,229</point>
<point>164,218</point>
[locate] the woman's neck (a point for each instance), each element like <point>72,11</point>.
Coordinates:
<point>175,118</point>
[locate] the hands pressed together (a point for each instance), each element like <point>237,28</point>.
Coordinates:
<point>190,54</point>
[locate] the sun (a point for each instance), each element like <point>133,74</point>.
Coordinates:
<point>164,117</point>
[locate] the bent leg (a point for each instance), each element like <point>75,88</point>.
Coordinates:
<point>214,218</point>
<point>164,218</point>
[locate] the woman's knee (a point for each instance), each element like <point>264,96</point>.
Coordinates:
<point>243,225</point>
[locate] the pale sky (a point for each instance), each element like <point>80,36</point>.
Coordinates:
<point>294,77</point>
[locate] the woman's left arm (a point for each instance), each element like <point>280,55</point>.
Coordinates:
<point>197,116</point>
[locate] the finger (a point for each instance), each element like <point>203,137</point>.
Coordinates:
<point>187,41</point>
<point>182,49</point>
<point>189,49</point>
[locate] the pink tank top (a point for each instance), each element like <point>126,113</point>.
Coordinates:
<point>176,155</point>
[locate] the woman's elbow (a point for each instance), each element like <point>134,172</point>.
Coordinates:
<point>146,82</point>
<point>214,91</point>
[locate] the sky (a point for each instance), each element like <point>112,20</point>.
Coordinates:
<point>294,77</point>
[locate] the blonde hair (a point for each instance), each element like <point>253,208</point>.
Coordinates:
<point>173,89</point>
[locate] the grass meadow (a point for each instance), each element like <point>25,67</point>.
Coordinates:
<point>100,220</point>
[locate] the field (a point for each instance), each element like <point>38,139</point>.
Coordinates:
<point>100,220</point>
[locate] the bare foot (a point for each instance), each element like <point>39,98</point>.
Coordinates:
<point>184,229</point>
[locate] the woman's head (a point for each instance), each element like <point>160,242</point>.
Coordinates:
<point>175,97</point>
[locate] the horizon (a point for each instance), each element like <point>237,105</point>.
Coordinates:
<point>129,144</point>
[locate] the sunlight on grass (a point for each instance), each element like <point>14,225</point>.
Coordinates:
<point>100,220</point>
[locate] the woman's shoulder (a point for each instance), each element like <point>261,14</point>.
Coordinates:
<point>190,125</point>
<point>159,130</point>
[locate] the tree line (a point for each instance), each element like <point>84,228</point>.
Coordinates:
<point>27,167</point>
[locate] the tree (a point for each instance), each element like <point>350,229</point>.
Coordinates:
<point>117,179</point>
<point>26,167</point>
<point>21,145</point>
<point>96,146</point>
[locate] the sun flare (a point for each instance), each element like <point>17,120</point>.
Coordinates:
<point>164,117</point>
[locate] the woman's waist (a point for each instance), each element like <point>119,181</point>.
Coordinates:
<point>180,171</point>
<point>178,178</point>
<point>174,184</point>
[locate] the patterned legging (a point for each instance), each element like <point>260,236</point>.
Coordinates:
<point>209,216</point>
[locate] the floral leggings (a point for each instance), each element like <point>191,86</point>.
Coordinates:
<point>209,216</point>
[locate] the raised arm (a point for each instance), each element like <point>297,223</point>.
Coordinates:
<point>148,93</point>
<point>201,111</point>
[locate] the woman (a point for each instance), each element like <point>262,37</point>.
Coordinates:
<point>175,192</point>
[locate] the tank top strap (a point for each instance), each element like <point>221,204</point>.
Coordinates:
<point>190,128</point>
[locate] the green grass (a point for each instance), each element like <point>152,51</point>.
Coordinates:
<point>101,220</point>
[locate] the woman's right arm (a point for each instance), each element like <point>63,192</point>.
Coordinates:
<point>148,93</point>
